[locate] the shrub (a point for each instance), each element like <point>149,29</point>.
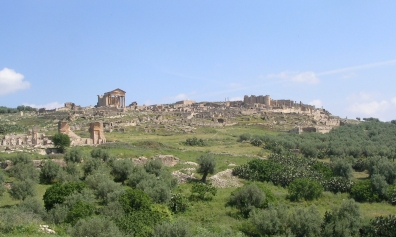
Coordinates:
<point>57,193</point>
<point>49,171</point>
<point>201,191</point>
<point>103,186</point>
<point>13,220</point>
<point>305,222</point>
<point>157,189</point>
<point>379,185</point>
<point>381,165</point>
<point>342,221</point>
<point>74,155</point>
<point>79,210</point>
<point>303,188</point>
<point>153,167</point>
<point>247,198</point>
<point>338,184</point>
<point>22,189</point>
<point>194,142</point>
<point>178,228</point>
<point>24,171</point>
<point>267,222</point>
<point>384,226</point>
<point>95,227</point>
<point>101,154</point>
<point>362,191</point>
<point>207,165</point>
<point>121,169</point>
<point>32,205</point>
<point>178,203</point>
<point>391,195</point>
<point>134,200</point>
<point>256,142</point>
<point>61,141</point>
<point>2,187</point>
<point>244,137</point>
<point>90,165</point>
<point>342,168</point>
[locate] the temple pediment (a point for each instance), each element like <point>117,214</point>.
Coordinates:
<point>117,91</point>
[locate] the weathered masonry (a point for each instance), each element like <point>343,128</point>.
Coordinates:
<point>114,98</point>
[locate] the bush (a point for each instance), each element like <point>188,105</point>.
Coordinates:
<point>22,189</point>
<point>153,167</point>
<point>121,169</point>
<point>379,185</point>
<point>157,189</point>
<point>305,222</point>
<point>178,203</point>
<point>383,166</point>
<point>303,188</point>
<point>342,168</point>
<point>247,198</point>
<point>2,187</point>
<point>194,142</point>
<point>267,222</point>
<point>95,227</point>
<point>24,170</point>
<point>207,165</point>
<point>384,226</point>
<point>179,228</point>
<point>104,187</point>
<point>201,191</point>
<point>32,205</point>
<point>342,221</point>
<point>391,195</point>
<point>363,191</point>
<point>101,154</point>
<point>91,165</point>
<point>74,155</point>
<point>14,220</point>
<point>79,210</point>
<point>134,200</point>
<point>49,171</point>
<point>57,193</point>
<point>338,184</point>
<point>61,141</point>
<point>244,137</point>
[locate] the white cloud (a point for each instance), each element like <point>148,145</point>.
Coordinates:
<point>349,75</point>
<point>373,108</point>
<point>11,81</point>
<point>51,105</point>
<point>304,77</point>
<point>393,100</point>
<point>181,96</point>
<point>317,103</point>
<point>236,98</point>
<point>308,77</point>
<point>371,105</point>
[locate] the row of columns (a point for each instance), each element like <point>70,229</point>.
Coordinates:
<point>116,100</point>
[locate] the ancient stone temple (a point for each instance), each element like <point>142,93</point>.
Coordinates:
<point>114,98</point>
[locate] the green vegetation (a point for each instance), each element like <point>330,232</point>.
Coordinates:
<point>61,141</point>
<point>284,185</point>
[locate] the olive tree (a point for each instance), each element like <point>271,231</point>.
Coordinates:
<point>247,198</point>
<point>207,165</point>
<point>61,141</point>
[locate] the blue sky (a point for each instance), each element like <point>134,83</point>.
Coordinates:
<point>337,54</point>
